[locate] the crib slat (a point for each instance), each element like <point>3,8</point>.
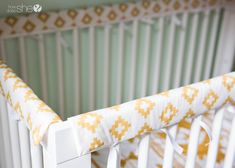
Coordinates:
<point>230,153</point>
<point>92,68</point>
<point>14,134</point>
<point>133,59</point>
<point>169,150</point>
<point>180,52</point>
<point>143,152</point>
<point>43,74</point>
<point>168,64</point>
<point>76,57</point>
<point>190,54</point>
<point>114,158</point>
<point>193,143</point>
<point>106,65</point>
<point>5,130</point>
<point>213,146</point>
<point>23,59</point>
<point>120,63</point>
<point>24,145</point>
<point>60,73</point>
<point>158,47</point>
<point>36,154</point>
<point>202,47</point>
<point>209,59</point>
<point>146,60</point>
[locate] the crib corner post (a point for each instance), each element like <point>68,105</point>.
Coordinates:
<point>60,150</point>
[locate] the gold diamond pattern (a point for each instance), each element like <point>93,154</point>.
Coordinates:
<point>8,75</point>
<point>168,113</point>
<point>90,121</point>
<point>157,8</point>
<point>43,17</point>
<point>11,21</point>
<point>29,95</point>
<point>195,3</point>
<point>135,12</point>
<point>119,128</point>
<point>144,129</point>
<point>123,7</point>
<point>96,143</point>
<point>18,109</point>
<point>86,19</point>
<point>189,94</point>
<point>29,26</point>
<point>99,10</point>
<point>144,107</point>
<point>72,13</point>
<point>189,113</point>
<point>1,90</point>
<point>19,84</point>
<point>112,15</point>
<point>177,5</point>
<point>59,22</point>
<point>210,100</point>
<point>228,82</point>
<point>146,4</point>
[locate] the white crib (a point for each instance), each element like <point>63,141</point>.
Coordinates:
<point>59,147</point>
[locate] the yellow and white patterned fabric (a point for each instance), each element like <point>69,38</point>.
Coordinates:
<point>109,126</point>
<point>100,15</point>
<point>30,109</point>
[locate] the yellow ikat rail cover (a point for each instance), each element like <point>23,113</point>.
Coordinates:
<point>106,127</point>
<point>33,111</point>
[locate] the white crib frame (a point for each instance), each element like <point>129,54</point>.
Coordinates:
<point>59,146</point>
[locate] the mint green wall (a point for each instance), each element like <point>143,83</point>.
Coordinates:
<point>32,54</point>
<point>53,5</point>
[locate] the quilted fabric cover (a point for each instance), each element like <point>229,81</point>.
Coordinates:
<point>33,111</point>
<point>109,126</point>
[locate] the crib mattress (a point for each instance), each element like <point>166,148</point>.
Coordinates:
<point>129,149</point>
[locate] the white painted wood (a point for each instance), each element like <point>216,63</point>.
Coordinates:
<point>14,138</point>
<point>133,60</point>
<point>23,59</point>
<point>76,65</point>
<point>2,156</point>
<point>190,54</point>
<point>214,143</point>
<point>145,62</point>
<point>92,68</point>
<point>83,161</point>
<point>114,157</point>
<point>106,65</point>
<point>230,152</point>
<point>43,68</point>
<point>24,145</point>
<point>226,46</point>
<point>211,48</point>
<point>180,53</point>
<point>168,64</point>
<point>156,69</point>
<point>143,153</point>
<point>120,63</point>
<point>169,149</point>
<point>202,47</point>
<point>60,74</point>
<point>36,154</point>
<point>193,143</point>
<point>5,130</point>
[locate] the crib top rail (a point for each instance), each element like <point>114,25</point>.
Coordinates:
<point>110,126</point>
<point>28,107</point>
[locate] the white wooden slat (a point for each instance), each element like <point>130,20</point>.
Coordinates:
<point>143,154</point>
<point>191,49</point>
<point>133,60</point>
<point>114,158</point>
<point>43,71</point>
<point>193,143</point>
<point>23,59</point>
<point>106,65</point>
<point>5,130</point>
<point>214,143</point>
<point>92,68</point>
<point>60,74</point>
<point>120,63</point>
<point>168,64</point>
<point>202,47</point>
<point>169,149</point>
<point>36,154</point>
<point>230,153</point>
<point>76,65</point>
<point>2,50</point>
<point>156,68</point>
<point>2,156</point>
<point>14,138</point>
<point>212,43</point>
<point>180,53</point>
<point>146,60</point>
<point>24,145</point>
